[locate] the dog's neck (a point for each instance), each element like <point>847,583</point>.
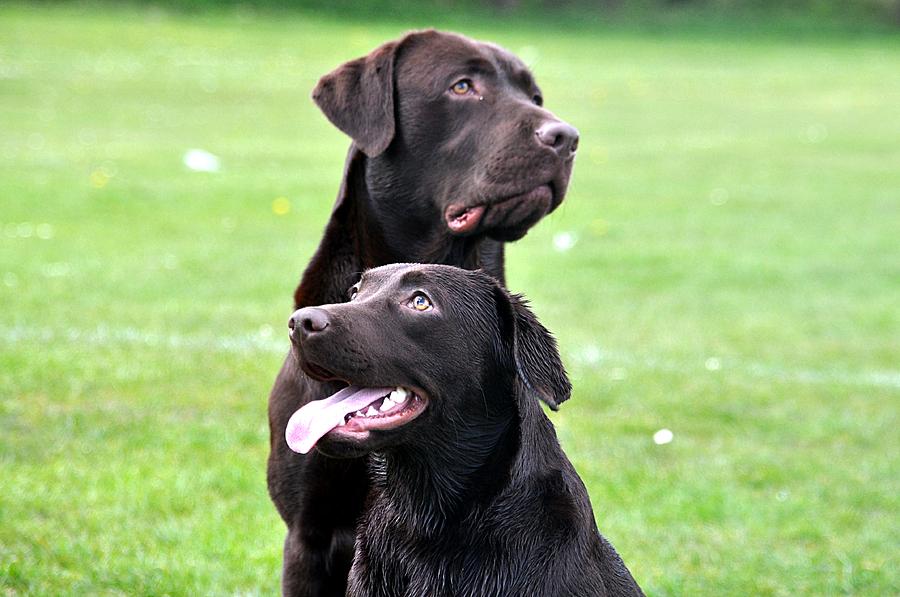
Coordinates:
<point>367,231</point>
<point>445,479</point>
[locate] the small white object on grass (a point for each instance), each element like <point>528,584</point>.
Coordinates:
<point>590,355</point>
<point>44,231</point>
<point>718,196</point>
<point>713,364</point>
<point>200,160</point>
<point>564,241</point>
<point>663,436</point>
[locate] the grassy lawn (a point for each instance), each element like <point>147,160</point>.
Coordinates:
<point>734,277</point>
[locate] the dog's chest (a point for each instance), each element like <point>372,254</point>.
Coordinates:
<point>391,563</point>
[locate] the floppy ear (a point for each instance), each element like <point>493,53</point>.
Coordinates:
<point>538,365</point>
<point>358,98</point>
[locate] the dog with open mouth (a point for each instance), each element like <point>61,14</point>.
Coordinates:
<point>452,155</point>
<point>471,494</point>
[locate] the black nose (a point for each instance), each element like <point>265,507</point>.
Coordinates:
<point>307,321</point>
<point>561,136</point>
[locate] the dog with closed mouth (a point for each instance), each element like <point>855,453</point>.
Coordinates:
<point>471,494</point>
<point>453,155</point>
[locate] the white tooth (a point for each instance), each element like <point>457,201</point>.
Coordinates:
<point>371,411</point>
<point>386,405</point>
<point>359,413</point>
<point>399,395</point>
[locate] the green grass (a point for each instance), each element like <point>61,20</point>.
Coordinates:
<point>736,275</point>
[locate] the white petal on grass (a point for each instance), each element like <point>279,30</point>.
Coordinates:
<point>57,270</point>
<point>814,133</point>
<point>718,196</point>
<point>663,436</point>
<point>590,355</point>
<point>200,160</point>
<point>44,231</point>
<point>25,230</point>
<point>713,364</point>
<point>564,241</point>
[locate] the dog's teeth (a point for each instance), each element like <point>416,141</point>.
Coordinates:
<point>359,413</point>
<point>371,411</point>
<point>399,395</point>
<point>386,405</point>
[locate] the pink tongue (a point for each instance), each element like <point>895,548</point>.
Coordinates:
<point>319,417</point>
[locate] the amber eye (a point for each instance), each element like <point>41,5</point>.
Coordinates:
<point>354,290</point>
<point>420,302</point>
<point>462,87</point>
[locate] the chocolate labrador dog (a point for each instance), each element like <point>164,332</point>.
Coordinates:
<point>471,493</point>
<point>452,155</point>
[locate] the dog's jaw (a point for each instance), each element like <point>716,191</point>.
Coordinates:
<point>461,219</point>
<point>389,412</point>
<point>518,211</point>
<point>352,413</point>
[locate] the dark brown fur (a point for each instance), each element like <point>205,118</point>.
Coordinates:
<point>474,496</point>
<point>419,152</point>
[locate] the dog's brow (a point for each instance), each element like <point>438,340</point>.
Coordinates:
<point>480,66</point>
<point>365,277</point>
<point>524,77</point>
<point>413,277</point>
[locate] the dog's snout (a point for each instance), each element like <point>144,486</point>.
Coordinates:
<point>561,136</point>
<point>308,321</point>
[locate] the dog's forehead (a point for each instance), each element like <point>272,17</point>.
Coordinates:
<point>399,273</point>
<point>455,50</point>
<point>450,279</point>
<point>508,61</point>
<point>378,276</point>
<point>391,275</point>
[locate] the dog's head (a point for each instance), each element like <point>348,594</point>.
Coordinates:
<point>455,133</point>
<point>422,348</point>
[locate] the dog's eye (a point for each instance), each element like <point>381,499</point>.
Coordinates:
<point>538,100</point>
<point>420,302</point>
<point>462,87</point>
<point>354,290</point>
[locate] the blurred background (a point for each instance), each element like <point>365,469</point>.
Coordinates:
<point>723,279</point>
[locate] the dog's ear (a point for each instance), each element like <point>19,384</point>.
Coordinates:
<point>358,98</point>
<point>535,355</point>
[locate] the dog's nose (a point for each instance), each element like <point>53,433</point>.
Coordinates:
<point>561,136</point>
<point>307,321</point>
